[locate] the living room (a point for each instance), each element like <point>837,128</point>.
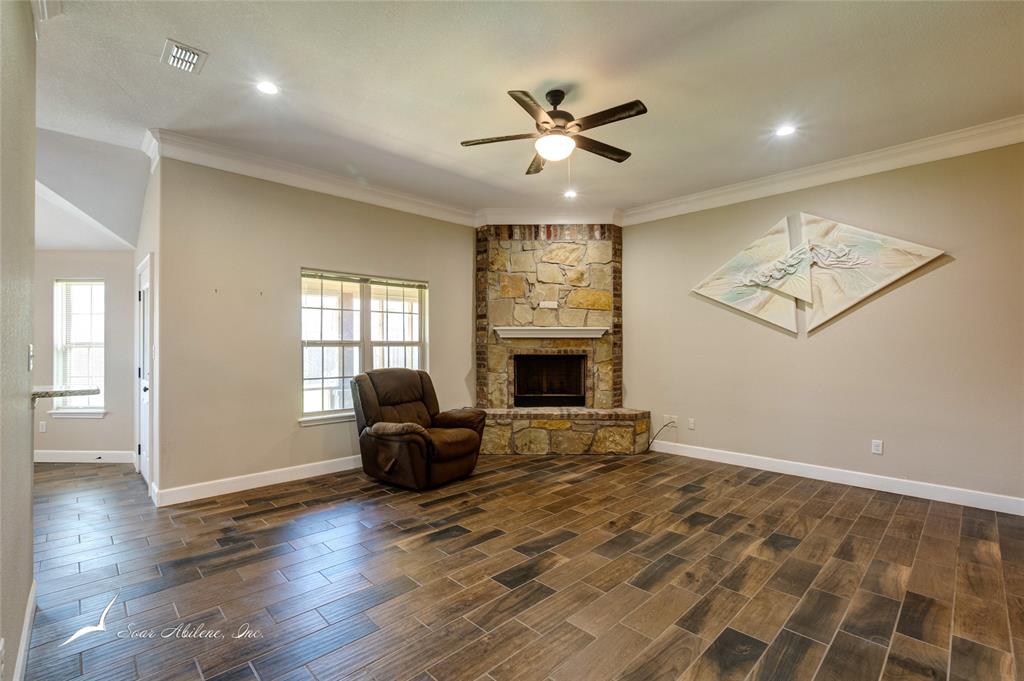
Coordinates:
<point>718,376</point>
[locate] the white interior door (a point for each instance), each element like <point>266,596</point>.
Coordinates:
<point>145,351</point>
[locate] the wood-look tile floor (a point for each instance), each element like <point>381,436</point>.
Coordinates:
<point>563,568</point>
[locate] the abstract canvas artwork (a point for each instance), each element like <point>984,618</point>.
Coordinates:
<point>832,267</point>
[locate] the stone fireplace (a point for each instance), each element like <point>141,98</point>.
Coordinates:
<point>549,341</point>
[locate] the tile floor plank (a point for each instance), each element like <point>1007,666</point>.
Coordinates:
<point>790,657</point>
<point>730,657</point>
<point>550,567</point>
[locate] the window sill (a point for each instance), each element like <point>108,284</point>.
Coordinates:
<point>77,413</point>
<point>319,420</point>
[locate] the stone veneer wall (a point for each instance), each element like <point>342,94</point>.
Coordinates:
<point>577,267</point>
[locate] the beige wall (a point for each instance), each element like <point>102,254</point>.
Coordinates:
<point>17,220</point>
<point>934,366</point>
<point>115,431</point>
<point>231,248</point>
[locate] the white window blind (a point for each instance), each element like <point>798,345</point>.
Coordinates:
<point>351,324</point>
<point>78,341</point>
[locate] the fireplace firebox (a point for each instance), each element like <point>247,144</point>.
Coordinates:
<point>550,380</point>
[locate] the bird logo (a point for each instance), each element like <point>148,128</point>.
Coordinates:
<point>100,626</point>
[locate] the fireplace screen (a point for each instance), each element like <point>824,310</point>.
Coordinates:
<point>550,380</point>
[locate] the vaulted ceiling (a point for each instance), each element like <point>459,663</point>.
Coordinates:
<point>89,194</point>
<point>382,93</point>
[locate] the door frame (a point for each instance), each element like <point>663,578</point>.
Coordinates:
<point>153,483</point>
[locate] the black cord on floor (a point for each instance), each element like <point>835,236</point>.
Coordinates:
<point>670,423</point>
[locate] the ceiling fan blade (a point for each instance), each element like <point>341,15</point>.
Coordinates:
<point>506,138</point>
<point>601,149</point>
<point>526,100</point>
<point>616,113</point>
<point>536,165</point>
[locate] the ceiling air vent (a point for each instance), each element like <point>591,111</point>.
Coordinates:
<point>182,57</point>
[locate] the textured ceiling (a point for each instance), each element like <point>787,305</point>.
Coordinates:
<point>383,92</point>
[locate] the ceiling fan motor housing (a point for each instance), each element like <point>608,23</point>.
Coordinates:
<point>561,119</point>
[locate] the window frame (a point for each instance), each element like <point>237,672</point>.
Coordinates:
<point>61,348</point>
<point>366,344</point>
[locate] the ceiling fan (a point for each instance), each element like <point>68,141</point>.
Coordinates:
<point>558,132</point>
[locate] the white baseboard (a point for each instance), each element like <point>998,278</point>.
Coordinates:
<point>26,634</point>
<point>238,483</point>
<point>926,490</point>
<point>82,456</point>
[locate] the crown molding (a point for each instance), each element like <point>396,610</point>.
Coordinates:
<point>43,10</point>
<point>164,143</point>
<point>151,147</point>
<point>160,143</point>
<point>566,216</point>
<point>947,145</point>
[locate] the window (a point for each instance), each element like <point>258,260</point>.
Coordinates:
<point>395,320</point>
<point>337,311</point>
<point>78,341</point>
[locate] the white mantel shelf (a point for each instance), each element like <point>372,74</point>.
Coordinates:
<point>550,331</point>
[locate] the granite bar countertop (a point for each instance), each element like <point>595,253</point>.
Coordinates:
<point>42,392</point>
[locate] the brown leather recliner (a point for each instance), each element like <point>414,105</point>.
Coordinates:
<point>404,438</point>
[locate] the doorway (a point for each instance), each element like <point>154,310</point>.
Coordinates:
<point>144,373</point>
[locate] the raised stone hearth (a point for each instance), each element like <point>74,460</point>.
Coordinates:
<point>566,430</point>
<point>553,290</point>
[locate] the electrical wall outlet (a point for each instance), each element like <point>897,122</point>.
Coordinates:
<point>670,423</point>
<point>691,423</point>
<point>877,447</point>
<point>42,426</point>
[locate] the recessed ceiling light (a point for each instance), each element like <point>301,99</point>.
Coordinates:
<point>784,130</point>
<point>570,194</point>
<point>267,88</point>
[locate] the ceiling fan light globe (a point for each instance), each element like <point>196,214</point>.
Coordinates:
<point>554,146</point>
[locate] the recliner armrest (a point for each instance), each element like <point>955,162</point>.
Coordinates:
<point>462,418</point>
<point>384,429</point>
